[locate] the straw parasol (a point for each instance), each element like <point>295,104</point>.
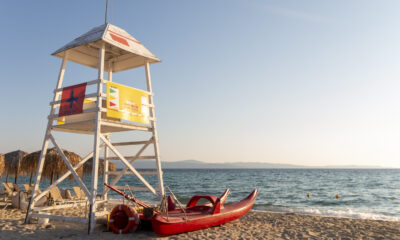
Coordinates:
<point>2,167</point>
<point>12,162</point>
<point>87,167</point>
<point>53,165</point>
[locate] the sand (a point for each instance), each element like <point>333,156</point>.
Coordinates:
<point>255,225</point>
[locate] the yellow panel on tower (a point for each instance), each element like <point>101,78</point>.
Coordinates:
<point>127,103</point>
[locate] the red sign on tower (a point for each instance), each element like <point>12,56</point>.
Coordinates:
<point>72,98</point>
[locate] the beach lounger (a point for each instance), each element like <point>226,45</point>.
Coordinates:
<point>17,188</point>
<point>56,195</point>
<point>42,201</point>
<point>58,198</point>
<point>7,189</point>
<point>2,191</point>
<point>66,194</point>
<point>80,194</point>
<point>5,193</point>
<point>20,200</point>
<point>28,188</point>
<point>11,186</point>
<point>14,187</point>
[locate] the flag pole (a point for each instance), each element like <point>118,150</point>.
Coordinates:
<point>105,17</point>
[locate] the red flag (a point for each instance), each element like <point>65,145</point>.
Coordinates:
<point>72,98</point>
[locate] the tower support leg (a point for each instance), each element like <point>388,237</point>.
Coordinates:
<point>46,139</point>
<point>154,131</point>
<point>96,145</point>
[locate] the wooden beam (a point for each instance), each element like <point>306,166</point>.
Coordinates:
<point>127,164</point>
<point>84,58</point>
<point>77,203</point>
<point>96,81</point>
<point>141,150</point>
<point>60,218</point>
<point>141,172</point>
<point>96,144</point>
<point>59,129</point>
<point>62,177</point>
<point>46,139</point>
<point>133,158</point>
<point>154,129</point>
<point>86,96</point>
<point>89,110</point>
<point>71,169</point>
<point>126,126</point>
<point>129,143</point>
<point>105,163</point>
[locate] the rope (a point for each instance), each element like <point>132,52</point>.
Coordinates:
<point>179,203</point>
<point>133,199</point>
<point>131,195</point>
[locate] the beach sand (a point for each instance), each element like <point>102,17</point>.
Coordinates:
<point>255,225</point>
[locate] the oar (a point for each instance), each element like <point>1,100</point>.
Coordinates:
<point>133,199</point>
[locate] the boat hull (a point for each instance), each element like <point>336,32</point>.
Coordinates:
<point>201,217</point>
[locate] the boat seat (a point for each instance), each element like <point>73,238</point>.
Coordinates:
<point>214,200</point>
<point>193,201</point>
<point>171,204</point>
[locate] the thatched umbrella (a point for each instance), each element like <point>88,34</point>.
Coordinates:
<point>2,167</point>
<point>54,165</point>
<point>12,162</point>
<point>87,167</point>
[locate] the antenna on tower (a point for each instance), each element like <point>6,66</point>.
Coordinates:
<point>105,17</point>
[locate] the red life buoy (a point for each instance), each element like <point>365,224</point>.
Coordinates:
<point>123,219</point>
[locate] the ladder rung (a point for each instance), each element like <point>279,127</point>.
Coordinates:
<point>130,143</point>
<point>130,173</point>
<point>132,157</point>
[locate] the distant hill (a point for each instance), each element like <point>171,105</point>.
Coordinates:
<point>195,164</point>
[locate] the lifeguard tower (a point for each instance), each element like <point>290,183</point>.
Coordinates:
<point>111,108</point>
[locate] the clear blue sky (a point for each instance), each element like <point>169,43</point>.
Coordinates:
<point>300,82</point>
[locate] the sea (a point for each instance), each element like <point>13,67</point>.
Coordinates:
<point>349,193</point>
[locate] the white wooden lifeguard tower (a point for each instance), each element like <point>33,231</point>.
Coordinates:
<point>111,108</point>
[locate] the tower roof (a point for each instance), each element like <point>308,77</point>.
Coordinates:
<point>122,51</point>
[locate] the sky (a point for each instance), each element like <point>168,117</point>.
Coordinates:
<point>312,83</point>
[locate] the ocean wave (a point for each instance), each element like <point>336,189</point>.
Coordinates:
<point>348,213</point>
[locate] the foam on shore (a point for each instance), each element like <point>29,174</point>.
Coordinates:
<point>348,213</point>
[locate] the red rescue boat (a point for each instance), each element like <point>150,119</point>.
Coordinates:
<point>185,219</point>
<point>194,217</point>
